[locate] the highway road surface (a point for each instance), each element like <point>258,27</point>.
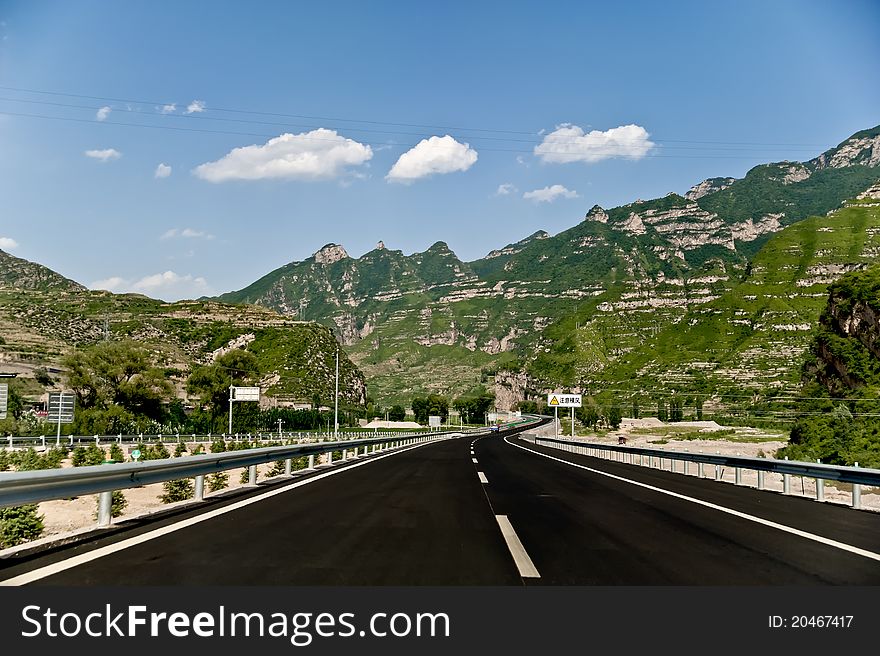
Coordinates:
<point>495,510</point>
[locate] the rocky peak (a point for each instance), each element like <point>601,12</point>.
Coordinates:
<point>861,148</point>
<point>708,186</point>
<point>596,213</point>
<point>330,253</point>
<point>19,274</point>
<point>439,247</point>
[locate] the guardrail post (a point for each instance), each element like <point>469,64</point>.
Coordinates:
<point>786,482</point>
<point>288,466</point>
<point>686,463</point>
<point>252,475</point>
<point>738,478</point>
<point>760,479</point>
<point>700,471</point>
<point>312,461</point>
<point>329,457</point>
<point>43,438</point>
<point>856,493</point>
<point>105,508</point>
<point>820,487</point>
<point>717,472</point>
<point>200,488</point>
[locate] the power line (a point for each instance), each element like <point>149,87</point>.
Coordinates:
<point>198,117</point>
<point>372,122</point>
<point>606,154</point>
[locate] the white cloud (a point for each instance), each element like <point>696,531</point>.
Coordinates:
<point>8,243</point>
<point>569,143</point>
<point>506,189</point>
<point>319,154</point>
<point>168,109</point>
<point>162,171</point>
<point>549,194</point>
<point>168,286</point>
<point>195,107</point>
<point>436,155</point>
<point>104,155</point>
<point>186,233</point>
<point>112,284</point>
<point>103,113</point>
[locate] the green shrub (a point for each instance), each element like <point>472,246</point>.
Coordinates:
<point>117,504</point>
<point>19,524</point>
<point>179,450</point>
<point>217,481</point>
<point>178,490</point>
<point>116,453</point>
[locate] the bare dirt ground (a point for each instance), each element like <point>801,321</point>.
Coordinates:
<point>65,516</point>
<point>709,437</point>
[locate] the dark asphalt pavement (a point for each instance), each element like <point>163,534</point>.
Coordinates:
<point>422,517</point>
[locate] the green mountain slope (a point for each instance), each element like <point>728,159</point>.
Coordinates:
<point>430,322</point>
<point>755,335</point>
<point>297,359</point>
<point>16,273</point>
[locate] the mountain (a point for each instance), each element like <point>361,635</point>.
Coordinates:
<point>430,322</point>
<point>838,420</point>
<point>16,273</point>
<point>754,335</point>
<point>39,325</point>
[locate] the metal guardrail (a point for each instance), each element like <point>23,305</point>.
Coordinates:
<point>857,476</point>
<point>17,488</point>
<point>44,441</point>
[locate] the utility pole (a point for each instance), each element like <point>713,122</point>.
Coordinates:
<point>279,429</point>
<point>336,404</point>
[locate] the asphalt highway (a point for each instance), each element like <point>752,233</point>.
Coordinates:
<point>492,511</point>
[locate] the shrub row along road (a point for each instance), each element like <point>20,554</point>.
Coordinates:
<point>495,510</point>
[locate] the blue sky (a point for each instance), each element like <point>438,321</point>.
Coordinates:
<point>642,98</point>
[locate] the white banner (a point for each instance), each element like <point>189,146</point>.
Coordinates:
<point>4,399</point>
<point>245,393</point>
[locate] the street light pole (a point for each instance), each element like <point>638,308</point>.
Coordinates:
<point>336,404</point>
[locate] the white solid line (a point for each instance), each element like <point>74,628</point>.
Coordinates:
<point>524,564</point>
<point>736,513</point>
<point>54,568</point>
<point>483,478</point>
<point>475,460</point>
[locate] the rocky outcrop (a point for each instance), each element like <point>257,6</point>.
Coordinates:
<point>707,187</point>
<point>597,214</point>
<point>330,253</point>
<point>510,388</point>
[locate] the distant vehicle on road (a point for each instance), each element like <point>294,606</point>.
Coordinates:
<point>494,429</point>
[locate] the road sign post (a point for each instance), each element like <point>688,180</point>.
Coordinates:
<point>557,401</point>
<point>60,410</point>
<point>241,394</point>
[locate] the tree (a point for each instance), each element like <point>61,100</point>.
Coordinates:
<point>438,406</point>
<point>473,408</point>
<point>636,412</point>
<point>676,409</point>
<point>661,410</point>
<point>210,383</point>
<point>397,413</point>
<point>614,416</point>
<point>118,374</point>
<point>420,409</point>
